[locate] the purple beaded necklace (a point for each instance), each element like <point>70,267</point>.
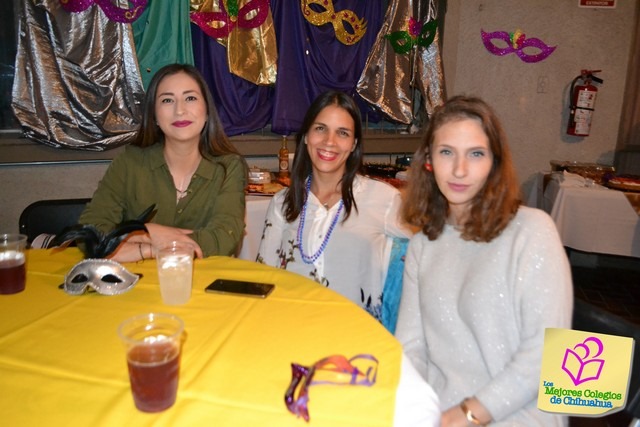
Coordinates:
<point>310,259</point>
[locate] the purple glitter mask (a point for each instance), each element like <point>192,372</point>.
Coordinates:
<point>516,43</point>
<point>112,11</point>
<point>330,370</point>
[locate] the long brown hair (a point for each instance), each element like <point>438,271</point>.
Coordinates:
<point>495,204</point>
<point>302,166</point>
<point>213,140</point>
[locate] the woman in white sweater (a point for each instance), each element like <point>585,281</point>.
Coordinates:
<point>483,279</point>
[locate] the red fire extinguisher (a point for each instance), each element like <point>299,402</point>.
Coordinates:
<point>582,101</point>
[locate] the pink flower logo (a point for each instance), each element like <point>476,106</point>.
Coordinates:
<point>581,362</point>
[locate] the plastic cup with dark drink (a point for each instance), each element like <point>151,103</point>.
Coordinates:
<point>13,272</point>
<point>153,346</point>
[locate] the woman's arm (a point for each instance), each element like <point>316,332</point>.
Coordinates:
<point>106,208</point>
<point>224,229</point>
<point>409,327</point>
<point>543,298</point>
<point>272,234</point>
<point>139,246</point>
<point>462,415</point>
<point>394,225</point>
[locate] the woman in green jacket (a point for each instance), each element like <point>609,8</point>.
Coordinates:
<point>181,161</point>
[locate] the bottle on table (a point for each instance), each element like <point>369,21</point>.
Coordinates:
<point>283,159</point>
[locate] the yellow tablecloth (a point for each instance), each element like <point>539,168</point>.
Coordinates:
<point>61,361</point>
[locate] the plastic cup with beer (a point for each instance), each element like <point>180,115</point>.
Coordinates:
<point>153,344</point>
<point>13,272</point>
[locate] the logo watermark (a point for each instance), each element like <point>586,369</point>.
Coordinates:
<point>584,373</point>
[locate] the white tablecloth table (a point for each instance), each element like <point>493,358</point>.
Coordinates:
<point>593,218</point>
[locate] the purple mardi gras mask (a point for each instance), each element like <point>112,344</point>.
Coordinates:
<point>516,43</point>
<point>220,24</point>
<point>113,12</point>
<point>335,369</point>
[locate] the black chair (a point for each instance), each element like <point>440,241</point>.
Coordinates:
<point>50,216</point>
<point>588,317</point>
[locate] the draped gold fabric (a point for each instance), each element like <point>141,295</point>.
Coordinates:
<point>392,81</point>
<point>252,53</point>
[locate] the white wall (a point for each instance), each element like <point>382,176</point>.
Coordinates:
<point>23,185</point>
<point>536,122</point>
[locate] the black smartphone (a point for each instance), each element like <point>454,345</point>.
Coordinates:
<point>240,287</point>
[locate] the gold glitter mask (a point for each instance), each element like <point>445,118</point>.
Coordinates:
<point>337,19</point>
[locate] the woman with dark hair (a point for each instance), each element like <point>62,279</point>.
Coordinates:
<point>181,161</point>
<point>483,279</point>
<point>333,224</point>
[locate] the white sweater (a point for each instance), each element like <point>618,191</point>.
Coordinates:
<point>473,315</point>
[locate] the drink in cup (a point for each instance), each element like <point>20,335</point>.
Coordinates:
<point>175,272</point>
<point>153,346</point>
<point>12,263</point>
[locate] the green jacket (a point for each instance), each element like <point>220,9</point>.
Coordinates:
<point>214,207</point>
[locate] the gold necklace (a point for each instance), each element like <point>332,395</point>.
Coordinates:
<point>333,196</point>
<point>182,193</point>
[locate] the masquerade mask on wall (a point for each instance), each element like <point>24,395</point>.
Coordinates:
<point>417,34</point>
<point>349,35</point>
<point>113,12</point>
<point>219,24</point>
<point>104,276</point>
<point>516,43</point>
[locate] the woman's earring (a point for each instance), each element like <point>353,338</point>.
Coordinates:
<point>428,167</point>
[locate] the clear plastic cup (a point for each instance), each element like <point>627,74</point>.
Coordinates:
<point>175,272</point>
<point>13,271</point>
<point>153,345</point>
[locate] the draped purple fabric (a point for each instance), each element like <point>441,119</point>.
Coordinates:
<point>242,106</point>
<point>310,61</point>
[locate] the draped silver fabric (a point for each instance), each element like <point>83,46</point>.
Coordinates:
<point>402,85</point>
<point>77,83</point>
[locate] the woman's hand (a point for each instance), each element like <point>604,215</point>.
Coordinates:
<point>161,234</point>
<point>129,251</point>
<point>140,245</point>
<point>456,417</point>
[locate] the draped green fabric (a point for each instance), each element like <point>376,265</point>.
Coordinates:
<point>162,36</point>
